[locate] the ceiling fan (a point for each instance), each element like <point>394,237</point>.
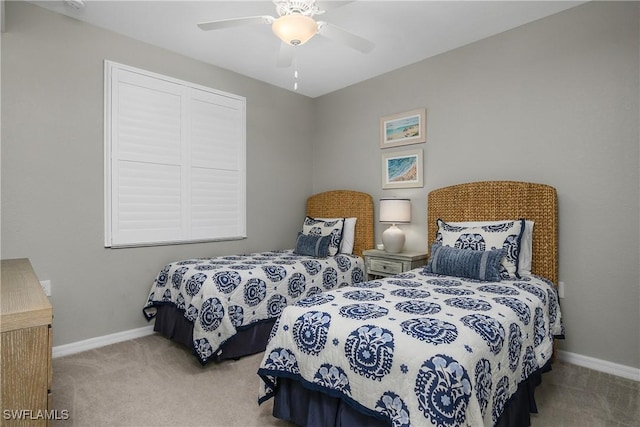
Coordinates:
<point>295,25</point>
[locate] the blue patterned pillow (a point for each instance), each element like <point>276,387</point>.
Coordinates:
<point>468,263</point>
<point>315,246</point>
<point>505,235</point>
<point>524,259</point>
<point>320,227</point>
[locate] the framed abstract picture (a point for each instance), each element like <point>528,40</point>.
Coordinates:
<point>403,128</point>
<point>402,169</point>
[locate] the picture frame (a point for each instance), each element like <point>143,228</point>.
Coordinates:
<point>402,169</point>
<point>403,128</point>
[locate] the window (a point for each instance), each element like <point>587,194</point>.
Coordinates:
<point>174,160</point>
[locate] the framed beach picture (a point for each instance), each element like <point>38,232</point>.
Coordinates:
<point>403,128</point>
<point>402,169</point>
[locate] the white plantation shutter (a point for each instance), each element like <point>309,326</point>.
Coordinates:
<point>175,160</point>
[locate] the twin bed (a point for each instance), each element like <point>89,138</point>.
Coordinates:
<point>461,341</point>
<point>425,348</point>
<point>224,307</point>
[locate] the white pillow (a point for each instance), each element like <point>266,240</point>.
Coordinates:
<point>526,251</point>
<point>348,234</point>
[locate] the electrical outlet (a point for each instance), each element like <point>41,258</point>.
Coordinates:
<point>46,286</point>
<point>560,289</point>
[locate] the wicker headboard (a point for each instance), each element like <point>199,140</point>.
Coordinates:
<point>496,200</point>
<point>346,203</point>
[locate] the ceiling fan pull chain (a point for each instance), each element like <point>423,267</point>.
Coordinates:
<point>295,71</point>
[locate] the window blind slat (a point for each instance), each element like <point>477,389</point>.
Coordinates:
<point>149,123</point>
<point>148,202</point>
<point>215,209</point>
<point>214,132</point>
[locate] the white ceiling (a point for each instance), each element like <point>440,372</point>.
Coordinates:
<point>404,32</point>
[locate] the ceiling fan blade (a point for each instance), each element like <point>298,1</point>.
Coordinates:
<point>345,37</point>
<point>236,22</point>
<point>330,5</point>
<point>285,55</point>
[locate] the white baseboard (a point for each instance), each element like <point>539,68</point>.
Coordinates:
<point>600,365</point>
<point>91,343</point>
<point>565,356</point>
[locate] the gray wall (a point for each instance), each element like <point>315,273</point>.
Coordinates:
<point>53,174</point>
<point>555,102</point>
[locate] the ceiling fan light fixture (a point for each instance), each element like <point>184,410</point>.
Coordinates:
<point>295,29</point>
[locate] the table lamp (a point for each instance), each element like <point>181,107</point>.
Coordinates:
<point>395,211</point>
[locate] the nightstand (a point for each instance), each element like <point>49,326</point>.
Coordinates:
<point>382,264</point>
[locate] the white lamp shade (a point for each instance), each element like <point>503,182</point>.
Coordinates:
<point>395,210</point>
<point>295,29</point>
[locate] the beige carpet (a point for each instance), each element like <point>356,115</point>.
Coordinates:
<point>152,382</point>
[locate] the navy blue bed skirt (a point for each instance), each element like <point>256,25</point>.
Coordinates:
<point>171,323</point>
<point>293,402</point>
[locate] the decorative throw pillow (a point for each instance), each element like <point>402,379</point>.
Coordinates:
<point>505,235</point>
<point>318,227</point>
<point>315,246</point>
<point>526,243</point>
<point>467,263</point>
<point>348,233</point>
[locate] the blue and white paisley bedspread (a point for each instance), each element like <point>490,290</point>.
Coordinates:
<point>223,294</point>
<point>417,349</point>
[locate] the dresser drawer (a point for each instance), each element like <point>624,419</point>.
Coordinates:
<point>385,266</point>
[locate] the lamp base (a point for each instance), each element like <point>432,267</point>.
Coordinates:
<point>393,239</point>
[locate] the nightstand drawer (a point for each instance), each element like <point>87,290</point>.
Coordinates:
<point>379,263</point>
<point>385,266</point>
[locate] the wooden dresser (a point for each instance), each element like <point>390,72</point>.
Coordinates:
<point>25,326</point>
